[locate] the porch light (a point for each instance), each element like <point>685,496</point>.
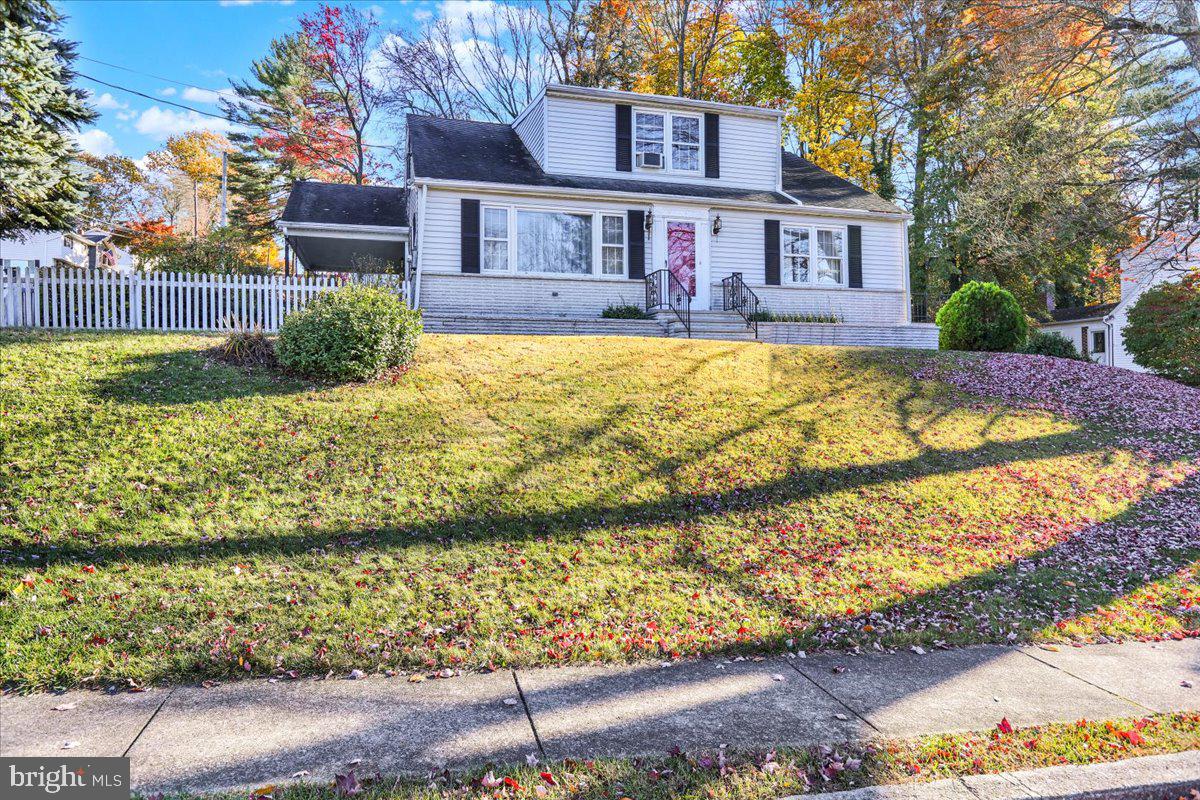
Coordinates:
<point>650,219</point>
<point>716,225</point>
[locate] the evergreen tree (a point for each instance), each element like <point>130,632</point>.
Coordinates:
<point>39,110</point>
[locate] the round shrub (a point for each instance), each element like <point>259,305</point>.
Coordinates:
<point>1163,332</point>
<point>1050,344</point>
<point>981,316</point>
<point>351,334</point>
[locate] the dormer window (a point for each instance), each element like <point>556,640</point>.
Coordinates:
<point>650,136</point>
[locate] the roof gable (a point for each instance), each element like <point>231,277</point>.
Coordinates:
<point>346,204</point>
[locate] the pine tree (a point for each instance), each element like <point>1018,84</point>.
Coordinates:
<point>39,110</point>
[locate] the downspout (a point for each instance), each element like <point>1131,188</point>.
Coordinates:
<point>908,300</point>
<point>416,295</point>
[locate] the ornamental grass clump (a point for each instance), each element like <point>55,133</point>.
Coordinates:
<point>352,334</point>
<point>982,316</point>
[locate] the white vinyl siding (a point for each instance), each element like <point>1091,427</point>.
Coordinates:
<point>532,130</point>
<point>582,141</point>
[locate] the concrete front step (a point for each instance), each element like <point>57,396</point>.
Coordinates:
<point>546,326</point>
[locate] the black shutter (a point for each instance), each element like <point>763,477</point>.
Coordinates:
<point>854,254</point>
<point>470,235</point>
<point>771,249</point>
<point>712,145</point>
<point>624,137</point>
<point>636,222</point>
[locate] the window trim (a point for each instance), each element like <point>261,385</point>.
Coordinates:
<point>484,239</point>
<point>597,254</point>
<point>624,245</point>
<point>668,141</point>
<point>813,257</point>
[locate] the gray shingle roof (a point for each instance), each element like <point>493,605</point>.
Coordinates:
<point>1082,312</point>
<point>812,185</point>
<point>465,150</point>
<point>346,204</point>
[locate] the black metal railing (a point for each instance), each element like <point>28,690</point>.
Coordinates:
<point>924,307</point>
<point>737,296</point>
<point>664,290</point>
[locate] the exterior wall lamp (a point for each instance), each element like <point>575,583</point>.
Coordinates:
<point>650,219</point>
<point>716,225</point>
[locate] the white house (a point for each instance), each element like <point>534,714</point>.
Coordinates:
<point>594,197</point>
<point>91,249</point>
<point>1096,330</point>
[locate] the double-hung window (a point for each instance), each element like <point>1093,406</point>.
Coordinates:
<point>654,131</point>
<point>685,144</point>
<point>796,252</point>
<point>495,239</point>
<point>811,256</point>
<point>612,245</point>
<point>648,133</point>
<point>831,255</point>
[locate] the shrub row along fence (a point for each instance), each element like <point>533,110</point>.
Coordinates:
<point>169,301</point>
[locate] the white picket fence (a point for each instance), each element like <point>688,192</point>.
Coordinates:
<point>101,300</point>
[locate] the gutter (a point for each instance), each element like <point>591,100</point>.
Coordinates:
<point>342,230</point>
<point>644,197</point>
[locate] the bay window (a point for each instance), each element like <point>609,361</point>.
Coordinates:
<point>812,256</point>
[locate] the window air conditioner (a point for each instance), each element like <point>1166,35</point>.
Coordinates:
<point>650,160</point>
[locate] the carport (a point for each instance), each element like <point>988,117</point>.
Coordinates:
<point>336,227</point>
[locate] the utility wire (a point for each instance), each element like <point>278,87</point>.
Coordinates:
<point>164,101</point>
<point>222,92</point>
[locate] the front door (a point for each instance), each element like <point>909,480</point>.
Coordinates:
<point>681,253</point>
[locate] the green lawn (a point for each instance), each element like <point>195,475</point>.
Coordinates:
<point>535,500</point>
<point>785,772</point>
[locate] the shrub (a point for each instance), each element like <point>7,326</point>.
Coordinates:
<point>771,316</point>
<point>247,346</point>
<point>626,311</point>
<point>1041,343</point>
<point>981,316</point>
<point>351,334</point>
<point>217,252</point>
<point>1163,333</point>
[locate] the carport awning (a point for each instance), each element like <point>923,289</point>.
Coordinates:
<point>347,248</point>
<point>337,227</point>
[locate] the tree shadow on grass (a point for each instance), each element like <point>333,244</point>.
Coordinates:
<point>186,376</point>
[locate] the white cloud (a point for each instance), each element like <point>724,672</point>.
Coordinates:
<point>195,94</point>
<point>229,3</point>
<point>422,15</point>
<point>168,92</point>
<point>125,116</point>
<point>456,12</point>
<point>106,102</point>
<point>161,123</point>
<point>97,143</point>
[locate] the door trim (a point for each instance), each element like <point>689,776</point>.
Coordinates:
<point>700,217</point>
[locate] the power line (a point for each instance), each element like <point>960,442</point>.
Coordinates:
<point>197,110</point>
<point>222,92</point>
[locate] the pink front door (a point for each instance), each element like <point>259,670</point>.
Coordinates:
<point>681,253</point>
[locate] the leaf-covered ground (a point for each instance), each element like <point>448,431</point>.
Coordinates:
<point>542,500</point>
<point>722,775</point>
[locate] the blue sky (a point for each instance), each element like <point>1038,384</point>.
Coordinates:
<point>199,44</point>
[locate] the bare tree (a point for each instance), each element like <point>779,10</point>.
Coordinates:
<point>422,73</point>
<point>588,42</point>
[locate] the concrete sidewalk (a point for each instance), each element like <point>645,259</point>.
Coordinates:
<point>254,732</point>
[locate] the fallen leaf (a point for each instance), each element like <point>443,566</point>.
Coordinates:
<point>1005,726</point>
<point>66,707</point>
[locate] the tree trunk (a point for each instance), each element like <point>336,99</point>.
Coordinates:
<point>918,276</point>
<point>681,41</point>
<point>195,209</point>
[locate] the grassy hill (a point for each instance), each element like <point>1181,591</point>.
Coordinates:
<point>537,500</point>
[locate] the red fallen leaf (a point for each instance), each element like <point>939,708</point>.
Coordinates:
<point>548,778</point>
<point>1005,726</point>
<point>513,783</point>
<point>89,568</point>
<point>1133,737</point>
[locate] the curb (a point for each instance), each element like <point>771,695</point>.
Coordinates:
<point>1146,778</point>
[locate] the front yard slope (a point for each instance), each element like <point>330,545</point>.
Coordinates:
<point>542,500</point>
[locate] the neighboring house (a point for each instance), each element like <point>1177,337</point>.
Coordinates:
<point>92,249</point>
<point>1096,330</point>
<point>591,197</point>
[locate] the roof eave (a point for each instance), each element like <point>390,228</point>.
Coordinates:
<point>556,191</point>
<point>638,98</point>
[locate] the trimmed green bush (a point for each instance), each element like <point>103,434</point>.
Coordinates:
<point>351,334</point>
<point>1163,333</point>
<point>982,316</point>
<point>625,311</point>
<point>1041,343</point>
